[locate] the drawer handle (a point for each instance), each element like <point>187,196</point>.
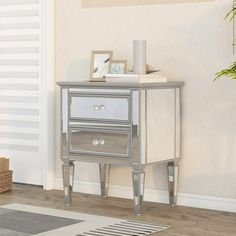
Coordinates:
<point>95,142</point>
<point>98,107</point>
<point>100,141</point>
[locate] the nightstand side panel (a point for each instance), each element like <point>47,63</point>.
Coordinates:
<point>160,125</point>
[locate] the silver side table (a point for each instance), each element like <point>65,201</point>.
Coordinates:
<point>119,123</point>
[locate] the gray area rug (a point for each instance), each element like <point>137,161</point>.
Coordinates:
<point>14,222</point>
<point>26,220</point>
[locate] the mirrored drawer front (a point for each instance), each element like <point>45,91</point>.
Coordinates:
<point>100,142</point>
<point>99,108</point>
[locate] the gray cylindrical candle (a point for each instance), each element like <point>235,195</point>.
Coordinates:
<point>139,56</point>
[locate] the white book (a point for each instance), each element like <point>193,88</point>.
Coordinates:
<point>121,76</point>
<point>134,78</point>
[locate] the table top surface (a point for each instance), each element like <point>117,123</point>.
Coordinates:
<point>89,84</point>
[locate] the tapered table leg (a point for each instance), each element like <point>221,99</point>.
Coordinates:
<point>104,178</point>
<point>138,189</point>
<point>173,169</point>
<point>68,179</point>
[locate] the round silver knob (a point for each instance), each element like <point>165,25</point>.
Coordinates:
<point>95,108</point>
<point>101,141</point>
<point>102,107</point>
<point>95,142</point>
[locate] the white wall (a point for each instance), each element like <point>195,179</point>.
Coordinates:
<point>189,42</point>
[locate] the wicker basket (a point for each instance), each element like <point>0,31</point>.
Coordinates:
<point>6,181</point>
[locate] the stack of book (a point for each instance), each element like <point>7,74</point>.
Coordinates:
<point>135,78</point>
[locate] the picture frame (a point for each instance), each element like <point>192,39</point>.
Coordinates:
<point>118,67</point>
<point>99,64</point>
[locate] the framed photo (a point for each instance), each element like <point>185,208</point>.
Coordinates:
<point>99,64</point>
<point>118,67</point>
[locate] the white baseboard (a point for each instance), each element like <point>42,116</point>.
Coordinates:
<point>160,196</point>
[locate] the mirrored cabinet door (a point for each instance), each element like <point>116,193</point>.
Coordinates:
<point>99,107</point>
<point>101,142</point>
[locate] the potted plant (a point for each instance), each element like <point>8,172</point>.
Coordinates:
<point>231,71</point>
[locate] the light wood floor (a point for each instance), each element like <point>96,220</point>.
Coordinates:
<point>184,221</point>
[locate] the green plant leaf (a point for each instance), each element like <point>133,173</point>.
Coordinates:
<point>232,13</point>
<point>230,72</point>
